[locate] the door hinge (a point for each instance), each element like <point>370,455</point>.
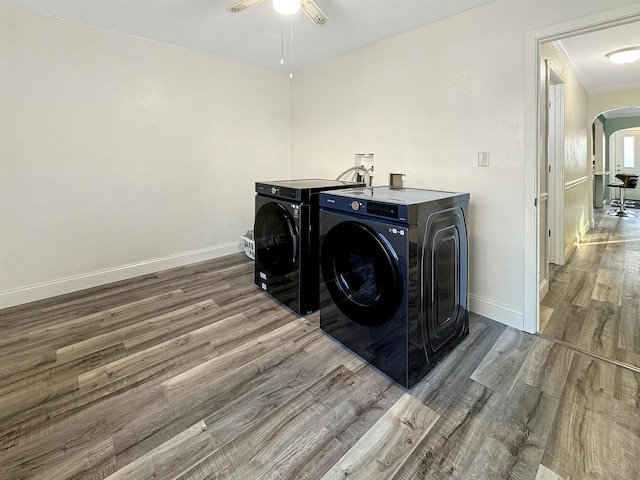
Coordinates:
<point>549,168</point>
<point>535,202</point>
<point>549,233</point>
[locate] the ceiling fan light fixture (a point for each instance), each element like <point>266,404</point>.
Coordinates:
<point>314,13</point>
<point>624,55</point>
<point>286,7</point>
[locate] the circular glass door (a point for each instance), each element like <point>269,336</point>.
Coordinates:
<point>276,239</point>
<point>361,273</point>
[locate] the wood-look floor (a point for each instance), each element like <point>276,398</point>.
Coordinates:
<point>194,373</point>
<point>594,299</point>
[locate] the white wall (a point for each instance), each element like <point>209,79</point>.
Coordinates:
<point>602,102</point>
<point>425,103</point>
<point>98,130</point>
<point>121,156</point>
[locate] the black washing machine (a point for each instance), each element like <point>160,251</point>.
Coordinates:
<point>286,239</point>
<point>394,278</point>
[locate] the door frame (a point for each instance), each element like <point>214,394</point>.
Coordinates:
<point>556,176</point>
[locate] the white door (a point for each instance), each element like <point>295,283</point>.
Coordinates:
<point>625,151</point>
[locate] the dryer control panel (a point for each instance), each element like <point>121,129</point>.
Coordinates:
<point>278,191</point>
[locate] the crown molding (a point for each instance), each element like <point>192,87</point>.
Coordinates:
<point>573,65</point>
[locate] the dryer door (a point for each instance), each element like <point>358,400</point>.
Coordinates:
<point>276,239</point>
<point>361,273</point>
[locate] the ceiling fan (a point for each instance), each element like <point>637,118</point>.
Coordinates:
<point>309,7</point>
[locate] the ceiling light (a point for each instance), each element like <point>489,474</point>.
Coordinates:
<point>624,55</point>
<point>286,7</point>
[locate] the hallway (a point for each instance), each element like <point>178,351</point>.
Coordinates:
<point>593,302</point>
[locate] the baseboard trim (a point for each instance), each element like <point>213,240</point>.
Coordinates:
<point>568,251</point>
<point>495,311</point>
<point>544,288</point>
<point>31,293</point>
<point>584,228</point>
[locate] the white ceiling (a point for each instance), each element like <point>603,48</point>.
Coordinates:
<point>255,35</point>
<point>623,112</point>
<point>586,54</point>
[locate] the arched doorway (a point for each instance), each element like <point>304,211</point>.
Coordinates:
<point>610,128</point>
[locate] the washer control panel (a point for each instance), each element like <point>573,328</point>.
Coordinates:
<point>364,206</point>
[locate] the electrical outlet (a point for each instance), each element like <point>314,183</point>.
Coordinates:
<point>483,159</point>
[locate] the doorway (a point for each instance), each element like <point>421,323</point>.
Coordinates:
<point>552,251</point>
<point>552,180</point>
<point>536,147</point>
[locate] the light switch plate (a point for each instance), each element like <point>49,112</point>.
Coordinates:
<point>483,159</point>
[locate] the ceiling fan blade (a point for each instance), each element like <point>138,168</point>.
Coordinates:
<point>314,13</point>
<point>242,4</point>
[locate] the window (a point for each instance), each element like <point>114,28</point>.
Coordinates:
<point>628,152</point>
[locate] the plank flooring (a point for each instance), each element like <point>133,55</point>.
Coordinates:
<point>594,299</point>
<point>194,373</point>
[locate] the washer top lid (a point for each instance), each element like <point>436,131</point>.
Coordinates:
<point>310,183</point>
<point>402,196</point>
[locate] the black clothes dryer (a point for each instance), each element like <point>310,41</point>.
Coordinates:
<point>286,239</point>
<point>393,285</point>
